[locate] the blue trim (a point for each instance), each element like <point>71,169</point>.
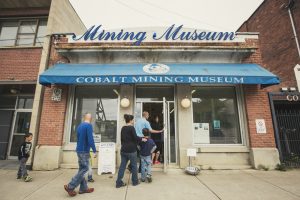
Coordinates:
<point>97,74</point>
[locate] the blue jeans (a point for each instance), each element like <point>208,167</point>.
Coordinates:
<point>79,178</point>
<point>146,166</point>
<point>90,172</point>
<point>22,172</point>
<point>125,157</point>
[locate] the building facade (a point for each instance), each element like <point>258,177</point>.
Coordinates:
<point>278,24</point>
<point>200,91</point>
<point>25,32</point>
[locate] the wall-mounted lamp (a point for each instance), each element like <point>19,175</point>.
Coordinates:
<point>125,103</point>
<point>186,102</point>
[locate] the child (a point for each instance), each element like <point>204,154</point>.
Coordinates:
<point>147,148</point>
<point>23,155</point>
<point>90,172</point>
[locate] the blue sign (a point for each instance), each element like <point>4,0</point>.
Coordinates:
<point>172,33</point>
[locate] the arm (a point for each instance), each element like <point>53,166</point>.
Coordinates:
<point>23,150</point>
<point>91,138</point>
<point>148,126</point>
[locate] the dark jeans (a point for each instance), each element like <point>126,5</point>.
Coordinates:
<point>22,172</point>
<point>125,157</point>
<point>79,178</point>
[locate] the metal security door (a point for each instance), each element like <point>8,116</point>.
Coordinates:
<point>288,122</point>
<point>165,134</point>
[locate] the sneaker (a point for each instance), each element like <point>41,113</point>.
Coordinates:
<point>143,180</point>
<point>157,162</point>
<point>71,193</point>
<point>91,180</point>
<point>89,190</point>
<point>19,177</point>
<point>149,178</point>
<point>122,185</point>
<point>27,178</point>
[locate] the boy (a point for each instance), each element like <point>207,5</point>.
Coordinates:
<point>147,148</point>
<point>23,155</point>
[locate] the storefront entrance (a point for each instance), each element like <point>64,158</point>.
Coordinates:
<point>161,109</point>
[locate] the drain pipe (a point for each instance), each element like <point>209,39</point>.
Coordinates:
<point>289,6</point>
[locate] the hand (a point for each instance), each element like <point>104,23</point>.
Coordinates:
<point>95,155</point>
<point>144,139</point>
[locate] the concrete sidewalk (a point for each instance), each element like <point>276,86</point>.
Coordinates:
<point>175,185</point>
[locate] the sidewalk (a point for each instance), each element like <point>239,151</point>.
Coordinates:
<point>175,185</point>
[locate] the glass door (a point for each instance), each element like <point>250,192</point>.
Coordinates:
<point>20,127</point>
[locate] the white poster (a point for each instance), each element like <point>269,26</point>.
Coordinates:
<point>201,133</point>
<point>260,126</point>
<point>107,158</point>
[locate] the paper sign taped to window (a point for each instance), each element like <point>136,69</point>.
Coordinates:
<point>201,133</point>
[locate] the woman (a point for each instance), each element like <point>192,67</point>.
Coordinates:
<point>129,141</point>
<point>156,125</point>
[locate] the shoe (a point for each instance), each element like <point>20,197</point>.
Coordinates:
<point>149,178</point>
<point>19,177</point>
<point>71,193</point>
<point>157,162</point>
<point>136,184</point>
<point>27,178</point>
<point>91,180</point>
<point>143,180</point>
<point>89,190</point>
<point>122,185</point>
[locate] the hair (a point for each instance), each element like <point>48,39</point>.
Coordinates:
<point>128,118</point>
<point>27,135</point>
<point>146,132</point>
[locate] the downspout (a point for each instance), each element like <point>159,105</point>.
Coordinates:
<point>289,6</point>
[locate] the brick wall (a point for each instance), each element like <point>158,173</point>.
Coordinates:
<point>52,118</point>
<point>52,122</point>
<point>257,105</point>
<point>20,64</point>
<point>277,43</point>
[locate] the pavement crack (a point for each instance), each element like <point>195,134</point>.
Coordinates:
<point>42,186</point>
<point>214,193</point>
<point>270,183</point>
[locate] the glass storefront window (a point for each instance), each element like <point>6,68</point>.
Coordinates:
<point>102,103</point>
<point>215,114</point>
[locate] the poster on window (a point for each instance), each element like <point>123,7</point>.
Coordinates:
<point>201,133</point>
<point>107,158</point>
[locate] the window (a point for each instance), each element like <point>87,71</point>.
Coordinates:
<point>102,103</point>
<point>23,32</point>
<point>215,115</point>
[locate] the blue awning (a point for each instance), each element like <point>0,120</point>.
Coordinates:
<point>80,74</point>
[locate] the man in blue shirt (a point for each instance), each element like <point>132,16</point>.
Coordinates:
<point>85,141</point>
<point>143,123</point>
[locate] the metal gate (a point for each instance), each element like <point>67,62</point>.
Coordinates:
<point>287,132</point>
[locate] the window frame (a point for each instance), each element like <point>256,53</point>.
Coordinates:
<point>241,115</point>
<point>19,22</point>
<point>68,145</point>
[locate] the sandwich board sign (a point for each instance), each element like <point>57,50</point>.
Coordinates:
<point>107,158</point>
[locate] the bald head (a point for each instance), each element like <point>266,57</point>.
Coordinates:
<point>145,115</point>
<point>87,117</point>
